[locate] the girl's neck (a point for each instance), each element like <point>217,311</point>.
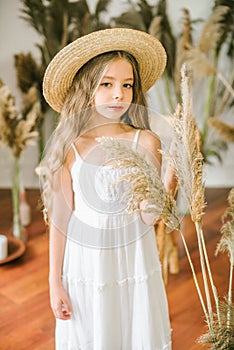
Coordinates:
<point>107,128</point>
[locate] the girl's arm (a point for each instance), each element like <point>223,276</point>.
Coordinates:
<point>62,208</point>
<point>59,300</point>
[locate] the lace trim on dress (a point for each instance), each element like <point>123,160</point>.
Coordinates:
<point>100,286</point>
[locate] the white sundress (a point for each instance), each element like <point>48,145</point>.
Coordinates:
<point>111,270</point>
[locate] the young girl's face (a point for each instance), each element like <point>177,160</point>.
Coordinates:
<point>115,91</point>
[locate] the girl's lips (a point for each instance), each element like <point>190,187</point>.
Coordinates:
<point>116,108</point>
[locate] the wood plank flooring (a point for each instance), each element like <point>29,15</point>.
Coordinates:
<point>26,321</point>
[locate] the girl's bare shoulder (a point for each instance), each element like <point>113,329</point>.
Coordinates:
<point>149,139</point>
<point>70,158</point>
<point>150,146</point>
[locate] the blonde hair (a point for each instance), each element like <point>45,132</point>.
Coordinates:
<point>76,114</point>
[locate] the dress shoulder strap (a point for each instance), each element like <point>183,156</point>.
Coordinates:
<point>135,139</point>
<point>75,151</point>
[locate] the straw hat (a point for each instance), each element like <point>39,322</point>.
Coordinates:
<point>146,49</point>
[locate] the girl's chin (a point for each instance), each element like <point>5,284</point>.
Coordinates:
<point>111,116</point>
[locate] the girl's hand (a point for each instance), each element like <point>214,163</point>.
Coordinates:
<point>148,218</point>
<point>60,302</point>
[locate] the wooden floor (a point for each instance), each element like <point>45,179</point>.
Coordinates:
<point>26,322</point>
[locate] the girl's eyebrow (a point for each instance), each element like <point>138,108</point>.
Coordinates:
<point>112,78</point>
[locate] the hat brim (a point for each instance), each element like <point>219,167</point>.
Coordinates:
<point>147,50</point>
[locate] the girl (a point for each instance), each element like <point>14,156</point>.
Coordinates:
<point>106,288</point>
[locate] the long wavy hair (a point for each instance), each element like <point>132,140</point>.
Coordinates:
<point>76,114</point>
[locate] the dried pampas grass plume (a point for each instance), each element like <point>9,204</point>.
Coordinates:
<point>17,129</point>
<point>221,336</point>
<point>155,28</point>
<point>211,33</point>
<point>226,243</point>
<point>198,57</point>
<point>28,72</point>
<point>187,160</point>
<point>145,181</point>
<point>199,62</point>
<point>182,49</point>
<point>226,131</point>
<point>213,29</point>
<point>202,66</point>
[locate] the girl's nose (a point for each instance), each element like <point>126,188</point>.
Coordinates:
<point>117,93</point>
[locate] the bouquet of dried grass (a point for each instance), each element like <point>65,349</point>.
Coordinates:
<point>145,181</point>
<point>17,129</point>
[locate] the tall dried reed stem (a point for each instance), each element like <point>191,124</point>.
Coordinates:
<point>195,278</point>
<point>188,164</point>
<point>205,260</point>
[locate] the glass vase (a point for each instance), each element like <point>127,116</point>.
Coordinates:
<point>17,227</point>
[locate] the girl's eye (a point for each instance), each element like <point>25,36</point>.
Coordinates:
<point>128,86</point>
<point>106,84</point>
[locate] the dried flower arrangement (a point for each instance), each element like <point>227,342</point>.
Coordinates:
<point>29,77</point>
<point>57,23</point>
<point>146,184</point>
<point>17,131</point>
<point>214,46</point>
<point>204,58</point>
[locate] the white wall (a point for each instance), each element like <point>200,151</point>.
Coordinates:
<point>17,36</point>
